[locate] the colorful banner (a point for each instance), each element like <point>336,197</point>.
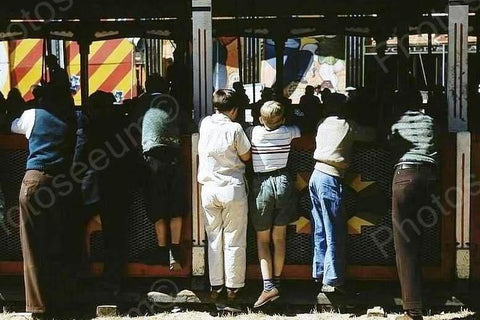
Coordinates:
<point>307,61</point>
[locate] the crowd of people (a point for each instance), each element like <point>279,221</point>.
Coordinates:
<point>80,163</point>
<point>224,150</point>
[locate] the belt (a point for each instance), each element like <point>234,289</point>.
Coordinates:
<point>272,173</point>
<point>416,166</point>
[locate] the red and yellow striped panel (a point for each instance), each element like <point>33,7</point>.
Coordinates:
<point>25,64</point>
<point>111,66</point>
<point>4,69</point>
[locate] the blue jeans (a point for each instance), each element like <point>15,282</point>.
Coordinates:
<point>329,228</point>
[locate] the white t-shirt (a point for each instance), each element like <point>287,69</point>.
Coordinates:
<point>221,143</point>
<point>24,124</point>
<point>270,149</point>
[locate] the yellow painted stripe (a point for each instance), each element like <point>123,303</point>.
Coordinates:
<point>5,88</point>
<point>94,47</point>
<point>125,84</point>
<point>101,74</point>
<point>96,81</point>
<point>73,67</point>
<point>22,49</point>
<point>108,66</point>
<point>31,77</point>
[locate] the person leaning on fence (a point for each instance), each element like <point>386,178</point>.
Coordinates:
<point>413,140</point>
<point>334,143</point>
<point>165,188</point>
<point>223,148</point>
<point>273,198</point>
<point>50,130</point>
<point>114,176</point>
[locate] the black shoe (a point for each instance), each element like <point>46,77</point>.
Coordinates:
<point>175,258</point>
<point>155,256</point>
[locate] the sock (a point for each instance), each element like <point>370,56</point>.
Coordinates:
<point>276,280</point>
<point>414,312</point>
<point>217,288</point>
<point>317,280</point>
<point>268,284</point>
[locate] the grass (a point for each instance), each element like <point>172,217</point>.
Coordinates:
<point>312,316</point>
<point>195,315</point>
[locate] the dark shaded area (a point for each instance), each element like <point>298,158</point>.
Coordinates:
<point>299,297</point>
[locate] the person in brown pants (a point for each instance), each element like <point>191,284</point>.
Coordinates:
<point>413,140</point>
<point>50,129</point>
<point>40,235</point>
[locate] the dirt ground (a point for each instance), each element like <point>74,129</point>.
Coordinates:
<point>312,316</point>
<point>254,316</point>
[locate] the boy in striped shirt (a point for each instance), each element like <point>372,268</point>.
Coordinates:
<point>272,201</point>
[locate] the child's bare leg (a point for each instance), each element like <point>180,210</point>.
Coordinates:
<point>264,254</point>
<point>270,292</point>
<point>176,230</point>
<point>175,236</point>
<point>279,236</point>
<point>161,232</point>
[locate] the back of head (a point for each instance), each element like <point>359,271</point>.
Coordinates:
<point>238,86</point>
<point>335,104</point>
<point>51,61</point>
<point>224,100</point>
<point>15,104</point>
<point>156,84</point>
<point>408,100</point>
<point>325,93</point>
<point>14,95</point>
<point>272,114</point>
<point>267,94</point>
<point>309,90</point>
<point>100,103</point>
<point>38,92</point>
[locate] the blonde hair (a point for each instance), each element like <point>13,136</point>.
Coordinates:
<point>272,114</point>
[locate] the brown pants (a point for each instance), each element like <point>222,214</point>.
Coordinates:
<point>41,239</point>
<point>412,212</point>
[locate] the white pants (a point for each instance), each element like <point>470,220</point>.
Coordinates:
<point>226,217</point>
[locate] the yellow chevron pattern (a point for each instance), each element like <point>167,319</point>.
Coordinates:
<point>25,60</point>
<point>4,69</point>
<point>99,78</point>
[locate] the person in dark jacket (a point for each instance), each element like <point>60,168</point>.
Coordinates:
<point>413,139</point>
<point>106,136</point>
<point>311,108</point>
